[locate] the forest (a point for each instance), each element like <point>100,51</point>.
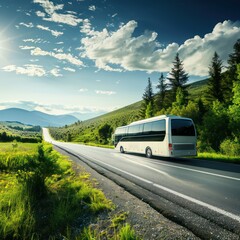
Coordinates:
<point>213,104</point>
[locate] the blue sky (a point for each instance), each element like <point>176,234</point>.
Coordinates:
<point>90,57</point>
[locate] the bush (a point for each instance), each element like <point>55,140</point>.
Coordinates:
<point>230,147</point>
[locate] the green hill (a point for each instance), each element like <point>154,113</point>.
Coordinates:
<point>87,131</point>
<point>11,130</point>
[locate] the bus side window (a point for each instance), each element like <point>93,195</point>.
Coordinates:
<point>159,127</point>
<point>147,128</point>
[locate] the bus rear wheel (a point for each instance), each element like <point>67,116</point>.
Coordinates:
<point>121,149</point>
<point>148,152</point>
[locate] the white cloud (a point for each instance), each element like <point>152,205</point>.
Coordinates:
<point>28,25</point>
<point>53,32</point>
<point>105,92</point>
<point>86,27</point>
<point>28,69</point>
<point>64,18</point>
<point>48,6</point>
<point>59,50</point>
<point>56,72</point>
<point>83,90</point>
<point>40,14</point>
<point>26,47</point>
<point>53,16</point>
<point>69,69</point>
<point>92,8</point>
<point>197,52</point>
<point>38,40</point>
<point>60,56</point>
<point>120,50</point>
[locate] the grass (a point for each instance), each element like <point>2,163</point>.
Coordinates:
<point>42,198</point>
<point>218,157</point>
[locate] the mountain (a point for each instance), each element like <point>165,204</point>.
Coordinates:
<point>36,117</point>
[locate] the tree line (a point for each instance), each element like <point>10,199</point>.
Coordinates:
<point>216,112</point>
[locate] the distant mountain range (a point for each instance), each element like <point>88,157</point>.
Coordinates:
<point>36,118</point>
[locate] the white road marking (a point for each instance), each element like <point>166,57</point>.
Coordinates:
<point>198,171</point>
<point>213,208</point>
<point>216,209</point>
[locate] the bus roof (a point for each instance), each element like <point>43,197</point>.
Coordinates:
<point>155,119</point>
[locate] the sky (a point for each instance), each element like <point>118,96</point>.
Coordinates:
<point>89,57</point>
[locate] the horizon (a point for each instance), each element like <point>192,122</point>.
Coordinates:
<point>91,57</point>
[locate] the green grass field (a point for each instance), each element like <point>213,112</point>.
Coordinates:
<point>41,197</point>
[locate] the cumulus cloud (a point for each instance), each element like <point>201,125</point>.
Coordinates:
<point>53,32</point>
<point>28,69</point>
<point>105,92</point>
<point>198,52</point>
<point>120,50</point>
<point>53,16</point>
<point>60,56</point>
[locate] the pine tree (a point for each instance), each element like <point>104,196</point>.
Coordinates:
<point>150,110</point>
<point>215,90</point>
<point>162,86</point>
<point>178,78</point>
<point>231,76</point>
<point>234,60</point>
<point>148,97</point>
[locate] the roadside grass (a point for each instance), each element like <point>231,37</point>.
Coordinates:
<point>218,157</point>
<point>97,145</point>
<point>42,197</point>
<point>9,147</point>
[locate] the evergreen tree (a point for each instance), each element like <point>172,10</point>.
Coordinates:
<point>148,97</point>
<point>149,110</point>
<point>162,86</point>
<point>178,78</point>
<point>215,90</point>
<point>234,60</point>
<point>231,76</point>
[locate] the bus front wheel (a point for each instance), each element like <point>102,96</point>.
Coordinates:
<point>121,149</point>
<point>148,152</point>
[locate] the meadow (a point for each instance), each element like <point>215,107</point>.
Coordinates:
<point>42,197</point>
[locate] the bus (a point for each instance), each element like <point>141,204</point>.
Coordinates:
<point>165,135</point>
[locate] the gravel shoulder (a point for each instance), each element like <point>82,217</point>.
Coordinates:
<point>147,222</point>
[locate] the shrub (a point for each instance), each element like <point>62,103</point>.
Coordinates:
<point>230,147</point>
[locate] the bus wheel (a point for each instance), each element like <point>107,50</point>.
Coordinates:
<point>148,152</point>
<point>121,150</point>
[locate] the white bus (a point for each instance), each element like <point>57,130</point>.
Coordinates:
<point>165,135</point>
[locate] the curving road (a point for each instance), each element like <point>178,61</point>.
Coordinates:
<point>208,189</point>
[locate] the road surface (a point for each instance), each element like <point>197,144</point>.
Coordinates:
<point>208,189</point>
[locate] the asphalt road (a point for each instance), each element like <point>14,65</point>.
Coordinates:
<point>209,189</point>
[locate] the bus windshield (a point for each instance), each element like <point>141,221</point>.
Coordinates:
<point>182,127</point>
